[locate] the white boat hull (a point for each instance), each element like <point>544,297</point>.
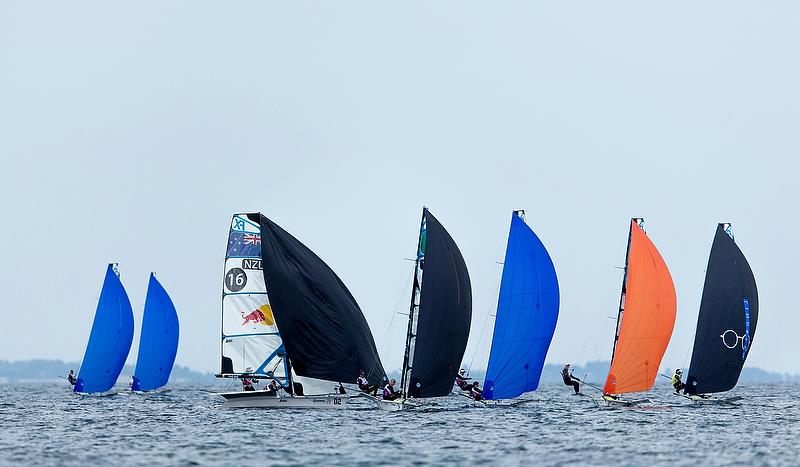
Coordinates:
<point>619,402</point>
<point>258,399</point>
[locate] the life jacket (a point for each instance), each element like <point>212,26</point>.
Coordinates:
<point>676,379</point>
<point>388,390</point>
<point>363,384</point>
<point>565,376</point>
<point>476,393</point>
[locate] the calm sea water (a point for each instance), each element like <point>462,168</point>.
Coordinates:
<point>187,426</point>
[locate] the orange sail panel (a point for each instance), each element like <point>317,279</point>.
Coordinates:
<point>647,319</point>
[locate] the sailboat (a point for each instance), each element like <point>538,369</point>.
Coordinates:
<point>438,320</point>
<point>646,317</point>
<point>110,339</point>
<point>158,343</point>
<point>527,311</point>
<point>727,321</point>
<point>286,315</point>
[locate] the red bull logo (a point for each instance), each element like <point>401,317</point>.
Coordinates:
<point>262,315</point>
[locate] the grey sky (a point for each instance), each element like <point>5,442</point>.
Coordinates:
<point>131,132</point>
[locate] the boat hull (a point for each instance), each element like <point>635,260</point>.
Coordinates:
<point>258,399</point>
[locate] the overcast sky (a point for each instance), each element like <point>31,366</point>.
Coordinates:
<point>130,132</point>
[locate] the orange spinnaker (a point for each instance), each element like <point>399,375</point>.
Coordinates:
<point>647,319</point>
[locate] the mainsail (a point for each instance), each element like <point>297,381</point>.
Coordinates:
<point>440,315</point>
<point>251,343</point>
<point>727,321</point>
<point>110,339</point>
<point>646,316</point>
<point>324,331</point>
<point>527,311</point>
<point>158,343</point>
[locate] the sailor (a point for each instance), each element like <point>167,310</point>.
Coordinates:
<point>462,381</point>
<point>389,394</point>
<point>676,381</point>
<point>71,378</point>
<point>475,391</point>
<point>363,384</point>
<point>569,380</point>
<point>247,383</point>
<point>272,388</point>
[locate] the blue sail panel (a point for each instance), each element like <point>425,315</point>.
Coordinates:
<point>110,339</point>
<point>158,344</point>
<point>527,311</point>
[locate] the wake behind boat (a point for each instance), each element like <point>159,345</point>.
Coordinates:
<point>285,316</point>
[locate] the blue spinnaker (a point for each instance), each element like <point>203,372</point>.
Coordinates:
<point>527,311</point>
<point>110,340</point>
<point>159,342</point>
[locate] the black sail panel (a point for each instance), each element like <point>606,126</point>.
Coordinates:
<point>323,329</point>
<point>727,321</point>
<point>445,313</point>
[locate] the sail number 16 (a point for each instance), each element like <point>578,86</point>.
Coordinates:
<point>235,279</point>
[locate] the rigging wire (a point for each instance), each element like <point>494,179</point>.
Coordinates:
<point>495,296</point>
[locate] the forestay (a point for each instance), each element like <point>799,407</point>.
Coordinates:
<point>110,339</point>
<point>158,343</point>
<point>727,321</point>
<point>527,311</point>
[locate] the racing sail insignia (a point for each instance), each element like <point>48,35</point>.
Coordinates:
<point>158,343</point>
<point>440,314</point>
<point>110,339</point>
<point>527,311</point>
<point>286,312</point>
<point>646,316</point>
<point>727,320</point>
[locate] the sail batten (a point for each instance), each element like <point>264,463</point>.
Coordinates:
<point>727,320</point>
<point>647,317</point>
<point>527,311</point>
<point>158,343</point>
<point>110,339</point>
<point>441,322</point>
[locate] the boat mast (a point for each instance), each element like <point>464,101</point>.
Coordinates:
<point>416,293</point>
<point>640,222</point>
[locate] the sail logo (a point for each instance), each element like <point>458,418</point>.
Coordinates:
<point>248,263</point>
<point>731,338</point>
<point>262,315</point>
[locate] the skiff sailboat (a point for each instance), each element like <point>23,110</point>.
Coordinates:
<point>439,317</point>
<point>647,309</point>
<point>727,321</point>
<point>527,311</point>
<point>286,314</point>
<point>158,343</point>
<point>110,339</point>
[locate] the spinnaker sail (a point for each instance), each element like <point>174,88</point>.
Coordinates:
<point>440,315</point>
<point>727,321</point>
<point>110,339</point>
<point>646,317</point>
<point>158,343</point>
<point>527,311</point>
<point>324,331</point>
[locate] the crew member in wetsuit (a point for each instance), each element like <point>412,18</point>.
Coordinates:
<point>676,381</point>
<point>462,381</point>
<point>389,394</point>
<point>363,384</point>
<point>475,391</point>
<point>71,378</point>
<point>570,380</point>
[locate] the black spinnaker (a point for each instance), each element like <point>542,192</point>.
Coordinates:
<point>323,329</point>
<point>444,315</point>
<point>727,321</point>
